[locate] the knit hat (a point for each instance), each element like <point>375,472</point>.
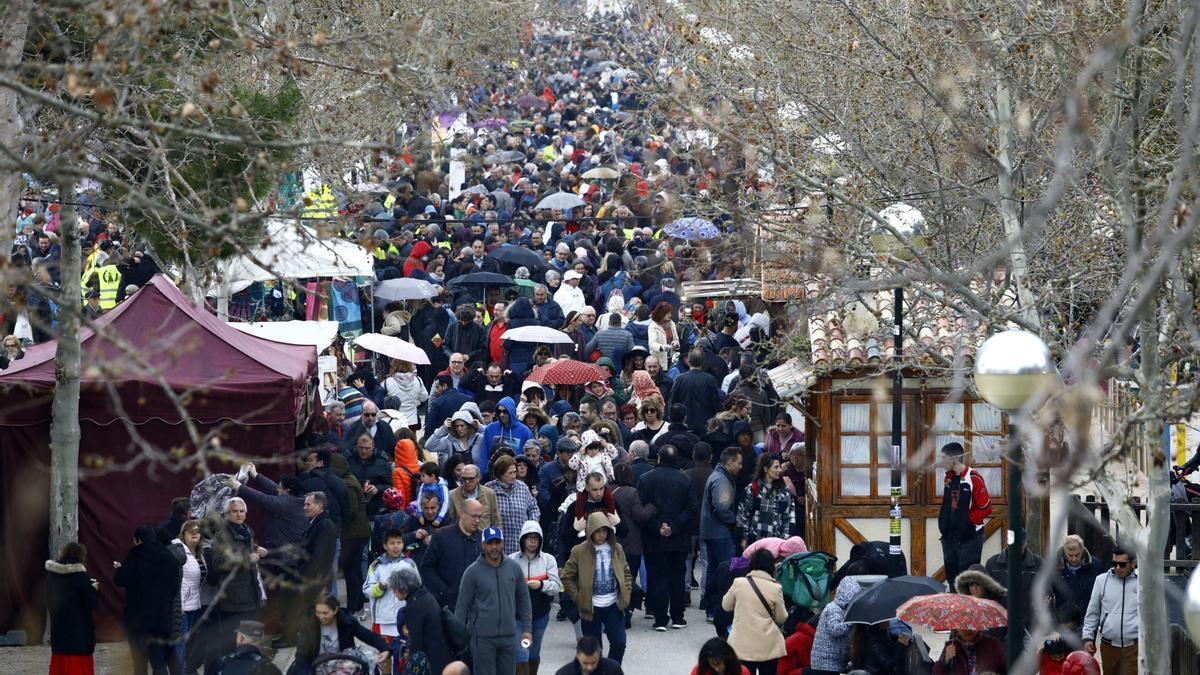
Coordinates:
<point>771,544</point>
<point>792,545</point>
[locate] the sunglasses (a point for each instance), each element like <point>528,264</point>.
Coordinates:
<point>369,414</point>
<point>1120,564</point>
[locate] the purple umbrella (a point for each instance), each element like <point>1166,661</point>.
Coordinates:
<point>531,102</point>
<point>692,229</point>
<point>490,123</point>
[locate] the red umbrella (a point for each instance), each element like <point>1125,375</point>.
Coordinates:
<point>568,371</point>
<point>949,611</point>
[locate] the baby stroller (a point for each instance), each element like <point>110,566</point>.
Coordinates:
<point>344,663</point>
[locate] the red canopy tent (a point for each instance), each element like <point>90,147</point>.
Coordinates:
<point>146,358</point>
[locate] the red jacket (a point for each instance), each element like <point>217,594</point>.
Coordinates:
<point>981,501</point>
<point>799,650</point>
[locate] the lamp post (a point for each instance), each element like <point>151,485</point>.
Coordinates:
<point>909,224</point>
<point>1011,369</point>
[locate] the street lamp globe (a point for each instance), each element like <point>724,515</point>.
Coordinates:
<point>1191,606</point>
<point>908,222</point>
<point>1012,367</point>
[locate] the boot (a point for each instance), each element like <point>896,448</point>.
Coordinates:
<point>522,669</point>
<point>533,666</point>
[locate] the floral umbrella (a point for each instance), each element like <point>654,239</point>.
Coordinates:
<point>950,611</point>
<point>567,371</point>
<point>692,229</point>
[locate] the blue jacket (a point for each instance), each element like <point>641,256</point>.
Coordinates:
<point>718,514</point>
<point>514,435</point>
<point>442,408</point>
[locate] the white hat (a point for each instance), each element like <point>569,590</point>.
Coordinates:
<point>572,274</point>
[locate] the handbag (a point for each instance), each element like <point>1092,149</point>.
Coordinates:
<point>766,605</point>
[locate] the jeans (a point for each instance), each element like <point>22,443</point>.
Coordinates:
<point>534,653</point>
<point>610,620</point>
<point>352,554</point>
<point>493,656</point>
<point>961,554</point>
<point>718,550</point>
<point>337,561</point>
<point>187,621</point>
<point>666,595</point>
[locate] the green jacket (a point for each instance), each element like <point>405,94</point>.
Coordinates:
<point>580,570</point>
<point>357,525</point>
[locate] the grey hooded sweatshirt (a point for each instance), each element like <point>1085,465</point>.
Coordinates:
<point>492,600</point>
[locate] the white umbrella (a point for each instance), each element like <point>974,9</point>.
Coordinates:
<point>538,334</point>
<point>561,201</point>
<point>405,289</point>
<point>393,347</point>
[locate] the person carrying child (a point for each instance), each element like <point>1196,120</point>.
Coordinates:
<point>433,483</point>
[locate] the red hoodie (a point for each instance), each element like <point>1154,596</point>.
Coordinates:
<point>419,250</point>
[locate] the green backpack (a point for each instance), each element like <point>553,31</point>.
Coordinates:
<point>805,578</point>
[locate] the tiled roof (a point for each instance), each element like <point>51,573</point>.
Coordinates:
<point>859,332</point>
<point>792,378</point>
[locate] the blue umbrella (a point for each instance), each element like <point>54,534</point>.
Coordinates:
<point>692,229</point>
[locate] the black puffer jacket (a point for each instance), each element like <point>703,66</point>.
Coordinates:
<point>70,600</point>
<point>229,557</point>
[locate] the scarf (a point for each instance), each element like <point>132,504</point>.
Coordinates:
<point>643,385</point>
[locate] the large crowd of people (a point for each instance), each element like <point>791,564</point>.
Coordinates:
<point>465,503</point>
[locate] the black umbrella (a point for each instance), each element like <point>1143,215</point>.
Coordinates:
<point>879,602</point>
<point>519,256</point>
<point>481,279</point>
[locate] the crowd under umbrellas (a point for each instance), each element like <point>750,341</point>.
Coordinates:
<point>536,403</point>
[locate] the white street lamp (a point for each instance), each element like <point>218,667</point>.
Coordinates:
<point>1191,605</point>
<point>910,223</point>
<point>1011,369</point>
<point>906,220</point>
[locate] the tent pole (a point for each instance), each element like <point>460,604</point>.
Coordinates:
<point>373,359</point>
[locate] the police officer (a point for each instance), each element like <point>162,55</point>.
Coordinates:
<point>248,658</point>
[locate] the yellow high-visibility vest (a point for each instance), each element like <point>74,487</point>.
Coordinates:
<point>110,283</point>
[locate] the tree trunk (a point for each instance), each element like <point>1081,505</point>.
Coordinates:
<point>14,24</point>
<point>1011,215</point>
<point>64,411</point>
<point>1152,609</point>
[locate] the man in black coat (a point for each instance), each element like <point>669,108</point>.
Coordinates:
<point>372,467</point>
<point>666,538</point>
<point>311,482</point>
<point>466,337</point>
<point>151,576</point>
<point>320,543</point>
<point>451,550</point>
<point>331,485</point>
<point>698,391</point>
<point>369,423</point>
<point>677,434</point>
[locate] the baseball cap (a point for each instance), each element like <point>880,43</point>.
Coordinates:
<point>251,629</point>
<point>567,444</point>
<point>572,274</point>
<point>493,534</point>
